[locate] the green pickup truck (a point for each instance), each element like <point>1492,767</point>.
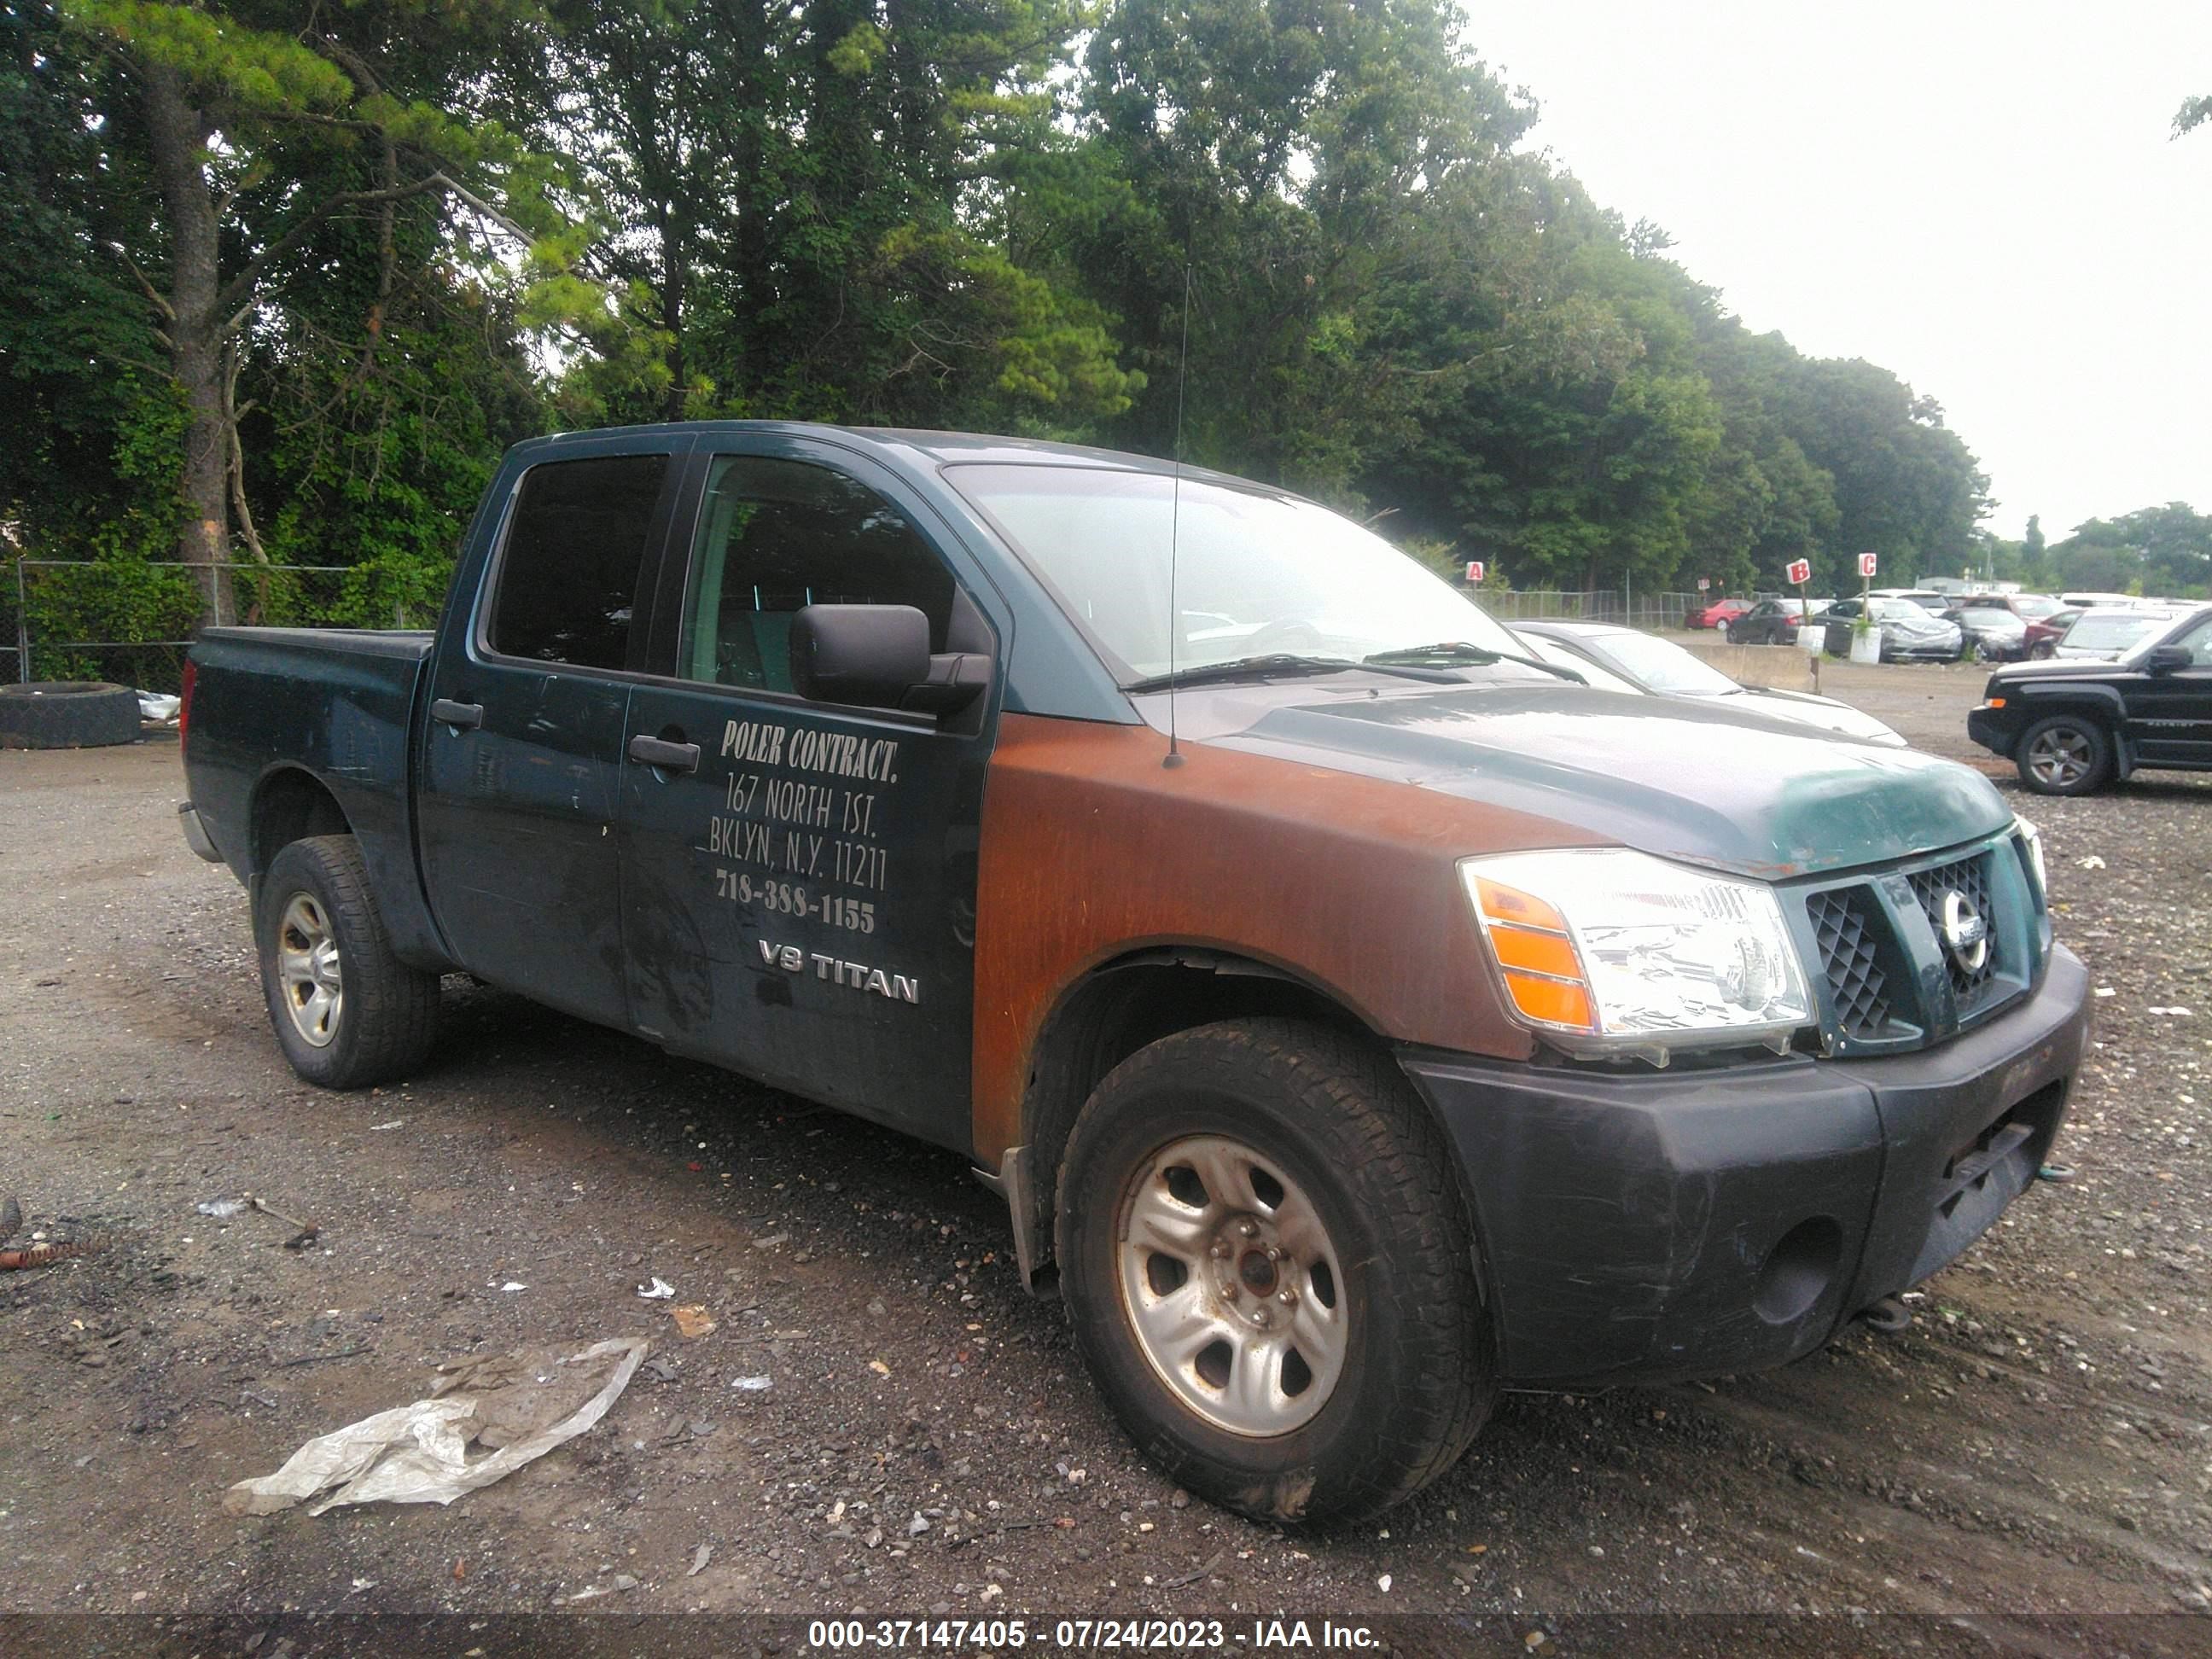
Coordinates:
<point>1357,1017</point>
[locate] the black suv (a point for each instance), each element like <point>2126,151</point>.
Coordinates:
<point>2072,726</point>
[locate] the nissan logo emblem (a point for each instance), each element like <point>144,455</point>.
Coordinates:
<point>1965,935</point>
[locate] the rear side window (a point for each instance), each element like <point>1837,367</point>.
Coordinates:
<point>567,582</point>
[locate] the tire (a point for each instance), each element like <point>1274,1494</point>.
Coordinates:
<point>347,1012</point>
<point>2043,650</point>
<point>1379,1271</point>
<point>2065,755</point>
<point>67,715</point>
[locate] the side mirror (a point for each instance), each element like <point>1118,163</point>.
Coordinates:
<point>864,655</point>
<point>2169,659</point>
<point>877,656</point>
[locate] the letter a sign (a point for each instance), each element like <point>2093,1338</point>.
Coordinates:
<point>1801,572</point>
<point>1866,565</point>
<point>1475,570</point>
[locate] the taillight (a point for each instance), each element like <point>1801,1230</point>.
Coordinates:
<point>184,701</point>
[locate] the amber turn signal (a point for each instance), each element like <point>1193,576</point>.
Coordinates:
<point>1536,956</point>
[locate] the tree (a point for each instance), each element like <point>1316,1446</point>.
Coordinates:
<point>79,362</point>
<point>256,129</point>
<point>825,209</point>
<point>2165,549</point>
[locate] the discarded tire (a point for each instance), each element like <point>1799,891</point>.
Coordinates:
<point>67,715</point>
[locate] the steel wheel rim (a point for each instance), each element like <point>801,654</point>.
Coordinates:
<point>308,972</point>
<point>2060,758</point>
<point>1232,1286</point>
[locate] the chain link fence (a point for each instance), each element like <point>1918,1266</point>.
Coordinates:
<point>1651,611</point>
<point>130,621</point>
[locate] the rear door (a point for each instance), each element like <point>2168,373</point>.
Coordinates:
<point>2170,714</point>
<point>799,877</point>
<point>522,756</point>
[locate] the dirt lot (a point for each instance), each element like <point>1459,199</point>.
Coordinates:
<point>2040,1442</point>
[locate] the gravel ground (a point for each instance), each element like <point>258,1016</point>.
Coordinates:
<point>2038,1443</point>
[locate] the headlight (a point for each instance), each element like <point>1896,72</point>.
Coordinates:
<point>1609,951</point>
<point>2031,843</point>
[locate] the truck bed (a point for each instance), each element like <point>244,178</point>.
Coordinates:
<point>338,706</point>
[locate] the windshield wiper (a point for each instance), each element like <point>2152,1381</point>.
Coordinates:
<point>1460,651</point>
<point>1283,664</point>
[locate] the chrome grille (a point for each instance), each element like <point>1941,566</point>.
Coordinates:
<point>1857,985</point>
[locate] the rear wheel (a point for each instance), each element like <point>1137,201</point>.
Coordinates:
<point>2065,755</point>
<point>1269,1272</point>
<point>346,1011</point>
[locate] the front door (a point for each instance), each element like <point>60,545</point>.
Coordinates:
<point>2170,714</point>
<point>522,754</point>
<point>798,878</point>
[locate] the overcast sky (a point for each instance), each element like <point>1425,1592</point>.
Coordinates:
<point>1981,198</point>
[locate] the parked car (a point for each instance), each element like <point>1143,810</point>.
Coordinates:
<point>1770,622</point>
<point>1317,1018</point>
<point>1719,614</point>
<point>2070,727</point>
<point>2028,607</point>
<point>1994,632</point>
<point>1910,633</point>
<point>2108,633</point>
<point>1926,598</point>
<point>2043,634</point>
<point>1663,669</point>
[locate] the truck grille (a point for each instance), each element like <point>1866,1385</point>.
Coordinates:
<point>1891,982</point>
<point>1930,887</point>
<point>1856,984</point>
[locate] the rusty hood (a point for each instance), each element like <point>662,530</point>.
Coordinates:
<point>1732,791</point>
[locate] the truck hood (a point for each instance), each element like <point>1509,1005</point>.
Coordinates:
<point>1754,796</point>
<point>2069,668</point>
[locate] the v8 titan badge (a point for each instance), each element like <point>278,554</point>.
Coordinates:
<point>899,988</point>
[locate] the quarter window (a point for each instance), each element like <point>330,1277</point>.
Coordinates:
<point>776,536</point>
<point>568,581</point>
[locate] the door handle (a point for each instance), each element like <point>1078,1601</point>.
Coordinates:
<point>461,716</point>
<point>659,753</point>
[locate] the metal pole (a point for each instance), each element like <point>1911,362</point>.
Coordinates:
<point>22,628</point>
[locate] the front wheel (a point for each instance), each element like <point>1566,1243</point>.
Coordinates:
<point>1270,1273</point>
<point>2065,755</point>
<point>346,1011</point>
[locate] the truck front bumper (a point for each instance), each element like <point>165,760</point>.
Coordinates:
<point>1637,1227</point>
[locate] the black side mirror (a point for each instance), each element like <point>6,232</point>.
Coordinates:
<point>877,656</point>
<point>865,654</point>
<point>2169,659</point>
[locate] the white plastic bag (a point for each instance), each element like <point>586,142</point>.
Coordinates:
<point>521,1405</point>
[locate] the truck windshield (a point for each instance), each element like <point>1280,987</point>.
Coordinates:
<point>1257,573</point>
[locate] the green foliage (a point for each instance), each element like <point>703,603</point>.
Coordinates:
<point>443,229</point>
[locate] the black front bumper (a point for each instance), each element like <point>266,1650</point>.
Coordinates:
<point>1990,728</point>
<point>1637,1227</point>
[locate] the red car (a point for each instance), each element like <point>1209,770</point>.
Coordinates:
<point>2044,634</point>
<point>1719,614</point>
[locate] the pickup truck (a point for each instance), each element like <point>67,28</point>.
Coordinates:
<point>2075,725</point>
<point>1357,1017</point>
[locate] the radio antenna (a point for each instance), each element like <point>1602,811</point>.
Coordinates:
<point>1173,756</point>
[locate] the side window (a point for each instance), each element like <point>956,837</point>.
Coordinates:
<point>2199,642</point>
<point>776,535</point>
<point>568,581</point>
